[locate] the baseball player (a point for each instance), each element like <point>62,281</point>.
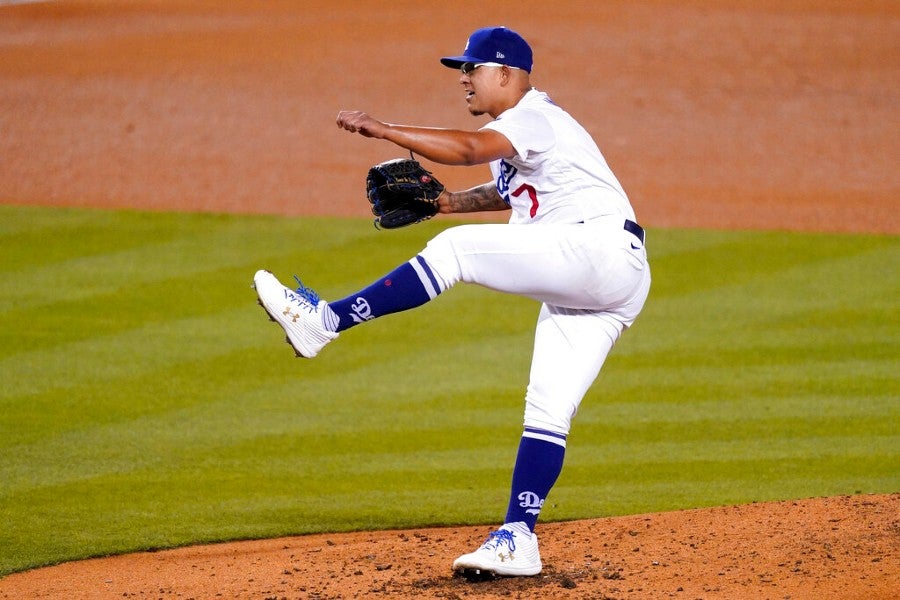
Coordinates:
<point>572,243</point>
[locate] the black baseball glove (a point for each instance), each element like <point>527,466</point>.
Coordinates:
<point>402,193</point>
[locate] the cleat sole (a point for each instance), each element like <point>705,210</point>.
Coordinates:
<point>268,314</point>
<point>475,575</point>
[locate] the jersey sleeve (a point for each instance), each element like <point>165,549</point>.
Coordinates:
<point>529,132</point>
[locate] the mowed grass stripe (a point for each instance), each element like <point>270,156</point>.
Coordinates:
<point>108,378</point>
<point>191,434</point>
<point>147,402</point>
<point>619,492</point>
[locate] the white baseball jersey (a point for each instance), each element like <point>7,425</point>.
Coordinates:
<point>558,174</point>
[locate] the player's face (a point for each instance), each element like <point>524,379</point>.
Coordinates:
<point>479,82</point>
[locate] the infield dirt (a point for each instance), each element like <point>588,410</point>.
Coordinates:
<point>716,114</point>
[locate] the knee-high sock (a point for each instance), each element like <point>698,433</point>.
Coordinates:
<point>538,465</point>
<point>408,286</point>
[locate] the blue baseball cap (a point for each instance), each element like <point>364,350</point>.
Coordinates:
<point>494,44</point>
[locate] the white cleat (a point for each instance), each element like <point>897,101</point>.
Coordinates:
<point>298,312</point>
<point>505,553</point>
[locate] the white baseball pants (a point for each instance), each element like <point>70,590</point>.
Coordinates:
<point>592,278</point>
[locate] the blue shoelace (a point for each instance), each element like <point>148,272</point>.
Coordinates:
<point>306,293</point>
<point>502,536</point>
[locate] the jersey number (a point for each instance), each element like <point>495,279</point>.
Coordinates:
<point>532,193</point>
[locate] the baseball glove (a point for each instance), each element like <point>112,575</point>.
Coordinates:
<point>402,193</point>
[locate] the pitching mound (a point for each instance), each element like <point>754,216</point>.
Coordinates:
<point>846,547</point>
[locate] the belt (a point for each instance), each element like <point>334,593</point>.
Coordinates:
<point>634,228</point>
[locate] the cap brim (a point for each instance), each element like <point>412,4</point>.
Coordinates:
<point>455,62</point>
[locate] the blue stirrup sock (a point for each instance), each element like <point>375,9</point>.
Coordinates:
<point>538,465</point>
<point>410,285</point>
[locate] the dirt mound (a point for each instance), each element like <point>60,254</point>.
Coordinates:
<point>845,547</point>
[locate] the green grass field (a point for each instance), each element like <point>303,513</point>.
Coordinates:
<point>147,402</point>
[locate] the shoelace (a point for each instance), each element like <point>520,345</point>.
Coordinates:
<point>501,536</point>
<point>306,293</point>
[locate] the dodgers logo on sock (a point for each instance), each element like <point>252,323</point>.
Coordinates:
<point>361,310</point>
<point>531,502</point>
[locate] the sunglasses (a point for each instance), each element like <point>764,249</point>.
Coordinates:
<point>469,67</point>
